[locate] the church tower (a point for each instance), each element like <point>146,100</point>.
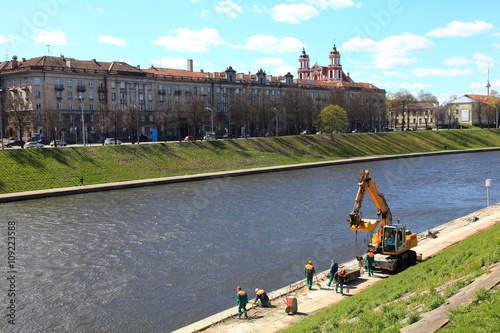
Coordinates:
<point>334,67</point>
<point>303,65</point>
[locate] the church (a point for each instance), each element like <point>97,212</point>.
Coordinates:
<point>332,72</point>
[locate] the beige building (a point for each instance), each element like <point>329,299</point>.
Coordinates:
<point>89,100</point>
<point>477,110</point>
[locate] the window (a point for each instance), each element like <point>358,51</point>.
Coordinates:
<point>150,97</point>
<point>169,90</point>
<point>141,86</point>
<point>38,94</point>
<point>80,95</point>
<point>91,95</point>
<point>91,107</point>
<point>150,86</point>
<point>59,106</point>
<point>113,84</point>
<point>141,97</point>
<point>122,85</point>
<point>161,87</point>
<point>36,81</point>
<point>123,96</point>
<point>38,106</point>
<point>58,94</point>
<point>202,90</point>
<point>131,86</point>
<point>102,96</point>
<point>70,95</point>
<point>80,83</point>
<point>69,83</point>
<point>113,96</point>
<point>162,98</point>
<point>70,106</point>
<point>91,84</point>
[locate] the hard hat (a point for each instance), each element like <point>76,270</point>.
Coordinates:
<point>256,289</point>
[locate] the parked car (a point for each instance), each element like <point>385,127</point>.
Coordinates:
<point>189,138</point>
<point>33,144</point>
<point>11,144</point>
<point>111,141</point>
<point>245,135</point>
<point>60,143</point>
<point>44,142</point>
<point>305,132</point>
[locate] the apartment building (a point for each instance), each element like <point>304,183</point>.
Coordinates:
<point>89,100</point>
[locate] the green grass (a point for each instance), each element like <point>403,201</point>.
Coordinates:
<point>33,169</point>
<point>401,299</point>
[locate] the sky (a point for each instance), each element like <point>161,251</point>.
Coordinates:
<point>443,47</point>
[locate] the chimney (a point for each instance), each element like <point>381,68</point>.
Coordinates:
<point>68,63</point>
<point>14,63</point>
<point>190,65</point>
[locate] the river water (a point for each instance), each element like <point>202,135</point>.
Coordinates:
<point>157,258</point>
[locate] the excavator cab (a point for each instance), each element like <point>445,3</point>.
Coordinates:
<point>394,239</point>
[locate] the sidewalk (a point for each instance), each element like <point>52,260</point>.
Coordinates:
<point>275,319</point>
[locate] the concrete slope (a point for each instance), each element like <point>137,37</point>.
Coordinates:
<point>275,319</point>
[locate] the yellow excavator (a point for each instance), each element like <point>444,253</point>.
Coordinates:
<point>390,243</point>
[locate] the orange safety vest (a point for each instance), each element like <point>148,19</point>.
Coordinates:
<point>242,292</point>
<point>260,292</point>
<point>370,254</point>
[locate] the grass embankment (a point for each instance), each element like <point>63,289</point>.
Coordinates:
<point>399,300</point>
<point>33,169</point>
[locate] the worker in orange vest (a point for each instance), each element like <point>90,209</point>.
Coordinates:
<point>369,259</point>
<point>309,272</point>
<point>242,299</point>
<point>262,296</point>
<point>340,278</point>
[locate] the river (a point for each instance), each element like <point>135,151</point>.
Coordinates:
<point>157,258</point>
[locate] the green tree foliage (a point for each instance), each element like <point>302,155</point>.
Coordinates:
<point>331,119</point>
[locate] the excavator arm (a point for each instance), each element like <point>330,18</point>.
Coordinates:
<point>366,184</point>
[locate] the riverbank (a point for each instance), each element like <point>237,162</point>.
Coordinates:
<point>80,189</point>
<point>52,168</point>
<point>321,297</point>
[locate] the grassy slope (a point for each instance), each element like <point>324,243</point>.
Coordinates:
<point>399,300</point>
<point>30,169</point>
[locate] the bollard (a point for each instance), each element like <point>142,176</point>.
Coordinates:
<point>488,184</point>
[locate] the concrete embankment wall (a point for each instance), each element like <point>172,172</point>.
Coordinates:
<point>29,195</point>
<point>448,234</point>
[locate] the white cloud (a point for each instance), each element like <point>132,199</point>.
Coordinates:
<point>461,29</point>
<point>112,40</point>
<point>205,13</point>
<point>394,74</point>
<point>186,40</point>
<point>8,39</point>
<point>425,72</point>
<point>456,61</point>
<point>497,46</point>
<point>283,70</point>
<point>293,13</point>
<point>335,4</point>
<point>270,44</point>
<point>391,52</point>
<point>270,62</point>
<point>91,8</point>
<point>483,62</point>
<point>228,8</point>
<point>124,60</point>
<point>168,62</point>
<point>50,37</point>
<point>413,85</point>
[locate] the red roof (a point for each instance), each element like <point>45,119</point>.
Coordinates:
<point>483,98</point>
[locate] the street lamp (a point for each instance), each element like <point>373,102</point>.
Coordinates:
<point>1,119</point>
<point>496,114</point>
<point>212,118</point>
<point>83,119</point>
<point>276,110</point>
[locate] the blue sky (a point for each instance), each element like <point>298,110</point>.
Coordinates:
<point>443,47</point>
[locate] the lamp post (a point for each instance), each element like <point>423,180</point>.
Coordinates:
<point>496,115</point>
<point>83,119</point>
<point>212,118</point>
<point>1,120</point>
<point>276,110</point>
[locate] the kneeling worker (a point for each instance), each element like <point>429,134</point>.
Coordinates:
<point>262,296</point>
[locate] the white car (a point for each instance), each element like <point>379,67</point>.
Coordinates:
<point>111,141</point>
<point>33,144</point>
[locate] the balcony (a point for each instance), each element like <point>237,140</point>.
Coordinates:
<point>59,87</point>
<point>162,92</point>
<point>102,89</point>
<point>177,92</point>
<point>80,88</point>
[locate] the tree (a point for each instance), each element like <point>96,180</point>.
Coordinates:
<point>401,102</point>
<point>492,108</point>
<point>331,119</point>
